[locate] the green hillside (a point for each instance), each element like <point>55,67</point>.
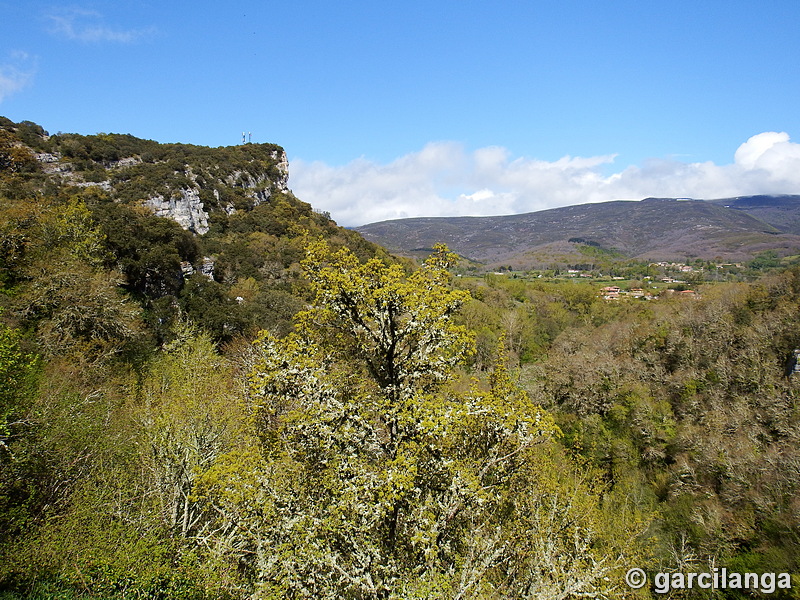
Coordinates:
<point>212,235</point>
<point>209,390</point>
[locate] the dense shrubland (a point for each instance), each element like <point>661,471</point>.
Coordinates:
<point>392,432</point>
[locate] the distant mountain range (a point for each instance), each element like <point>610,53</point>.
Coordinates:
<point>731,229</point>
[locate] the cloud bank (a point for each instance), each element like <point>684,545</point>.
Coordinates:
<point>444,179</point>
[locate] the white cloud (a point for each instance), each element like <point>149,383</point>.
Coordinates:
<point>773,154</point>
<point>444,179</point>
<point>83,25</point>
<point>749,153</point>
<point>16,72</point>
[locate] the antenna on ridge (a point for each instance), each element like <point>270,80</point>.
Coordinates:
<point>243,137</point>
<point>249,137</point>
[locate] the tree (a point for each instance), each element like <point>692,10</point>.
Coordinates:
<point>16,369</point>
<point>398,328</point>
<point>75,305</point>
<point>14,157</point>
<point>190,415</point>
<point>374,477</point>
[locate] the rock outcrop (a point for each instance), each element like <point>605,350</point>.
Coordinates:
<point>187,187</point>
<point>186,209</point>
<point>282,163</point>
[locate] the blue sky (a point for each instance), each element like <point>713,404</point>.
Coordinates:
<point>390,109</point>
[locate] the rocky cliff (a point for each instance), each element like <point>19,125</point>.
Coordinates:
<point>187,208</point>
<point>193,185</point>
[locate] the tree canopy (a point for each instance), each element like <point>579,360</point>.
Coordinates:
<point>375,477</point>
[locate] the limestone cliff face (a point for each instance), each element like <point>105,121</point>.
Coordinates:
<point>186,209</point>
<point>282,163</point>
<point>188,184</point>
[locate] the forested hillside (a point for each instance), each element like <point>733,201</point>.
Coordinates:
<point>244,400</point>
<point>75,206</point>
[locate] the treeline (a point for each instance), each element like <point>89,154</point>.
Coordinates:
<point>611,264</point>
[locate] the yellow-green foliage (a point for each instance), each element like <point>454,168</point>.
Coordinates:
<point>112,511</point>
<point>374,481</point>
<point>190,416</point>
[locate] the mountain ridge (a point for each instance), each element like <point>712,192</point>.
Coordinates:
<point>652,228</point>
